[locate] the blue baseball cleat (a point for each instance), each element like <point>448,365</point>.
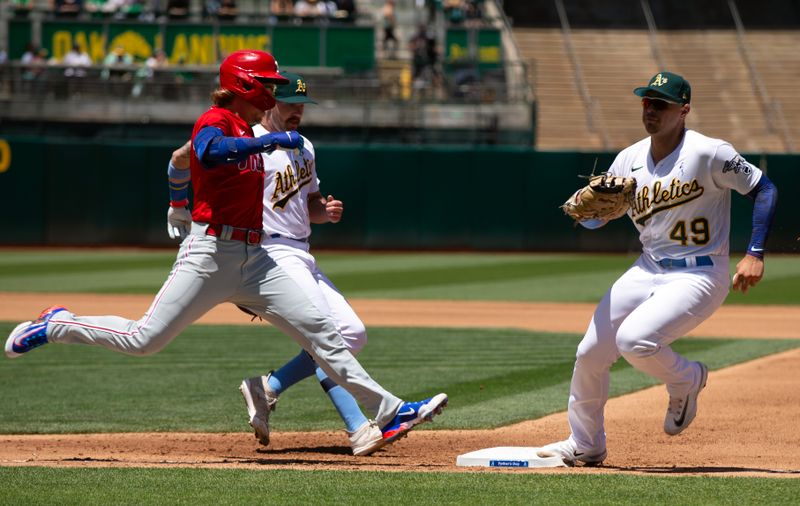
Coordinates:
<point>29,335</point>
<point>412,414</point>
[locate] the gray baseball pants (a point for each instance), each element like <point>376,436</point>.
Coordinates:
<point>209,271</point>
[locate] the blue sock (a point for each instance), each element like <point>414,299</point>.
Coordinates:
<point>300,367</point>
<point>344,403</point>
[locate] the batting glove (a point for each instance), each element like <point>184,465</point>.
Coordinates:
<point>179,222</point>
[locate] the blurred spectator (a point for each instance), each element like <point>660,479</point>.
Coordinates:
<point>99,8</point>
<point>116,63</point>
<point>425,59</point>
<point>473,13</point>
<point>30,53</point>
<point>178,9</point>
<point>221,9</point>
<point>35,60</point>
<point>433,6</point>
<point>158,60</point>
<point>389,23</point>
<point>131,9</point>
<point>118,56</point>
<point>77,62</point>
<point>345,9</point>
<point>455,11</point>
<point>314,9</point>
<point>281,8</point>
<point>66,7</point>
<point>228,10</point>
<point>423,50</point>
<point>466,81</point>
<point>3,56</point>
<point>21,8</point>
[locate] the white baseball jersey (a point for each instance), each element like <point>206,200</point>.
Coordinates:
<point>289,179</point>
<point>682,210</point>
<point>682,204</point>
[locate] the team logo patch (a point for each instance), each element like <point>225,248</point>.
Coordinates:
<point>736,165</point>
<point>301,87</point>
<point>659,81</point>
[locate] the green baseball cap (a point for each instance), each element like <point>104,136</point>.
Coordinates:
<point>294,92</point>
<point>667,86</point>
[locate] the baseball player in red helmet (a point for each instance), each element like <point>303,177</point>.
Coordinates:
<point>221,259</point>
<point>292,201</point>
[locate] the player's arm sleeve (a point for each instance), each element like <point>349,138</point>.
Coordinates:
<point>212,147</point>
<point>179,176</point>
<point>765,195</point>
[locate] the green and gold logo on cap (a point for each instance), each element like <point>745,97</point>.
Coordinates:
<point>301,87</point>
<point>659,81</point>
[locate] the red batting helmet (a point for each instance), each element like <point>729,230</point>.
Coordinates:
<point>244,73</point>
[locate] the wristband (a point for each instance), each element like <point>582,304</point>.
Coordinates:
<point>179,203</point>
<point>179,180</point>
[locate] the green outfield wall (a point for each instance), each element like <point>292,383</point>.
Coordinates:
<point>69,192</point>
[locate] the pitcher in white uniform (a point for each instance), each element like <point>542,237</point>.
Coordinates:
<point>682,212</point>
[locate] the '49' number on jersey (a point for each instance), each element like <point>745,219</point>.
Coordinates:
<point>697,232</point>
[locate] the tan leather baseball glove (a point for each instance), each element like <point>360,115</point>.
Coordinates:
<point>606,197</point>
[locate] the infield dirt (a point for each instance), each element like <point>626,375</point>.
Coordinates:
<point>747,424</point>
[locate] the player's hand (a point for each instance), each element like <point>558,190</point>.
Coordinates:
<point>286,140</point>
<point>334,209</point>
<point>749,271</point>
<point>179,222</point>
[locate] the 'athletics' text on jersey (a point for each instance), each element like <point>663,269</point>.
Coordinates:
<point>682,205</point>
<point>290,177</point>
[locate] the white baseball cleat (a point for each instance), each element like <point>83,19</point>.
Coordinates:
<point>367,439</point>
<point>682,410</point>
<point>260,400</point>
<point>570,454</point>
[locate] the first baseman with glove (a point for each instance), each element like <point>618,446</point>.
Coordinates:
<point>675,186</point>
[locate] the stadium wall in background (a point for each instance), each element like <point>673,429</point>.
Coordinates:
<point>69,192</point>
<point>199,43</point>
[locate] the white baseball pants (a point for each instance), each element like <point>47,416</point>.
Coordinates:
<point>645,310</point>
<point>300,265</point>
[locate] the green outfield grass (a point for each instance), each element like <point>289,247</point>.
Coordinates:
<point>493,377</point>
<point>461,276</point>
<point>204,486</point>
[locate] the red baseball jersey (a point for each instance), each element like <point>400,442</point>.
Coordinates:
<point>231,193</point>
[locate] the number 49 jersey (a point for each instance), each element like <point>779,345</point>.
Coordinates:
<point>682,205</point>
